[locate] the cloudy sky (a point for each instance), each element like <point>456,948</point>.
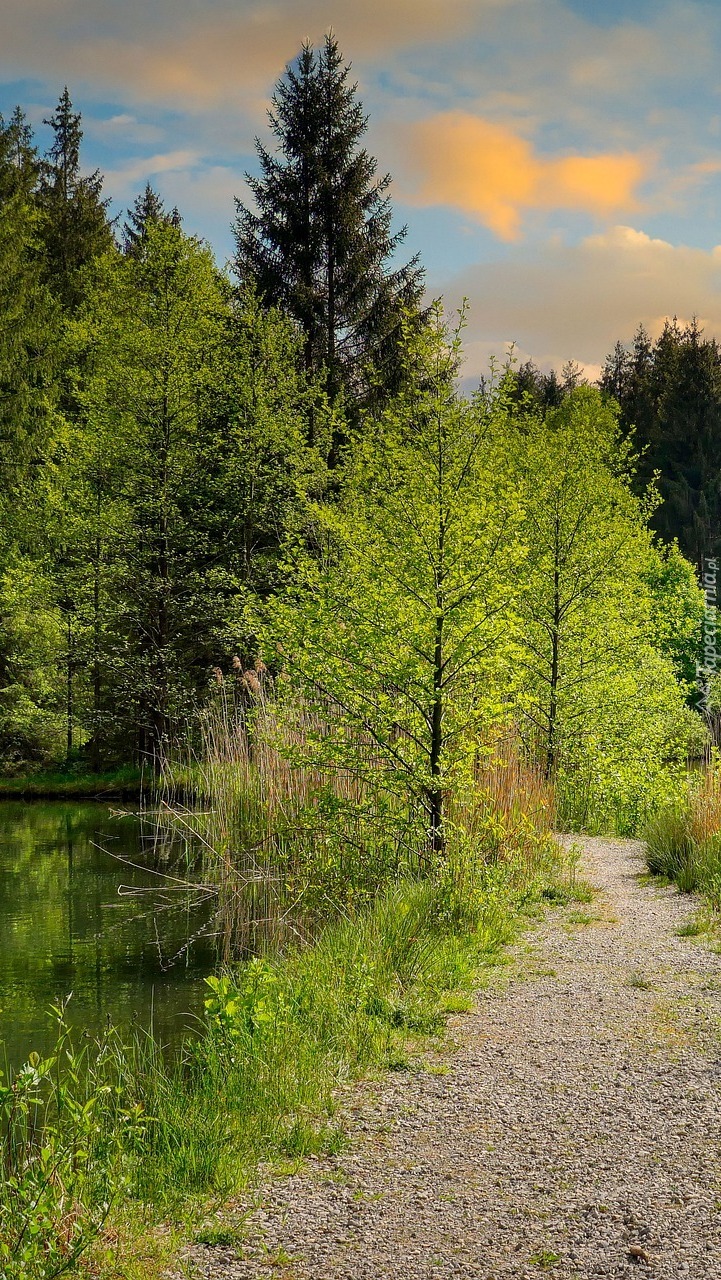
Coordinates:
<point>558,162</point>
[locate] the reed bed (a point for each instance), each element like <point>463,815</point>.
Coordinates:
<point>339,951</point>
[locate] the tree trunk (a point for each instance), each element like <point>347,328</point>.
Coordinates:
<point>435,794</point>
<point>96,652</point>
<point>551,743</point>
<point>70,710</point>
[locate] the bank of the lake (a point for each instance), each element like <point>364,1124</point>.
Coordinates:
<point>121,783</point>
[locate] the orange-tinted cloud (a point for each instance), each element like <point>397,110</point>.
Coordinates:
<point>493,174</point>
<point>202,56</point>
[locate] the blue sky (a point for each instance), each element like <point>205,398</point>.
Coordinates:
<point>558,162</point>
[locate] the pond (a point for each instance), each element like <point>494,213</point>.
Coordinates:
<point>87,910</point>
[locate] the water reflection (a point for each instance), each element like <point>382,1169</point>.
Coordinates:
<point>85,908</point>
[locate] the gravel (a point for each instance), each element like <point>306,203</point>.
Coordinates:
<point>575,1132</point>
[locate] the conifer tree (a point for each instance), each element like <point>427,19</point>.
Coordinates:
<point>147,209</point>
<point>30,320</point>
<point>670,397</point>
<point>320,243</point>
<point>75,223</point>
<point>19,166</point>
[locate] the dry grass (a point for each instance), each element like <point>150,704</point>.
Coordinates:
<point>705,805</point>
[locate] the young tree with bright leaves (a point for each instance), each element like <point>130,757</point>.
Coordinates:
<point>599,693</point>
<point>319,243</point>
<point>397,628</point>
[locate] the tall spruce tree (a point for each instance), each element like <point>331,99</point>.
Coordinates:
<point>19,165</point>
<point>75,224</point>
<point>147,210</point>
<point>319,244</point>
<point>30,322</point>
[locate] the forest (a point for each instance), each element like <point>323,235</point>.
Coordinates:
<point>258,547</point>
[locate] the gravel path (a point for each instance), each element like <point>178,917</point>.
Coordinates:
<point>577,1124</point>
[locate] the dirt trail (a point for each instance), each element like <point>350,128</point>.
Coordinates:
<point>578,1122</point>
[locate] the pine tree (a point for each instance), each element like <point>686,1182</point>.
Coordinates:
<point>75,223</point>
<point>28,336</point>
<point>19,166</point>
<point>148,209</point>
<point>320,244</point>
<point>670,397</point>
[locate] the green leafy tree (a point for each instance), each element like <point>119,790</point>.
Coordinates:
<point>30,330</point>
<point>600,696</point>
<point>150,331</point>
<point>397,628</point>
<point>319,243</point>
<point>29,423</point>
<point>199,400</point>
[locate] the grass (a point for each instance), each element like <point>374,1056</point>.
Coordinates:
<point>59,785</point>
<point>683,841</point>
<point>544,1258</point>
<point>261,1082</point>
<point>356,950</point>
<point>580,917</point>
<point>638,981</point>
<point>696,925</point>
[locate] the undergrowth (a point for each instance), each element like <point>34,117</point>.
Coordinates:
<point>102,1144</point>
<point>683,840</point>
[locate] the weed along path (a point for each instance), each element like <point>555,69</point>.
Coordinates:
<point>575,1130</point>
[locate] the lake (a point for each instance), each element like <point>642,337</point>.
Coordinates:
<point>89,909</point>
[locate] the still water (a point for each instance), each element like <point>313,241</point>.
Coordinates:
<point>87,911</point>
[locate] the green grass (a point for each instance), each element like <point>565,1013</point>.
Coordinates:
<point>580,917</point>
<point>675,851</point>
<point>166,1142</point>
<point>60,785</point>
<point>696,925</point>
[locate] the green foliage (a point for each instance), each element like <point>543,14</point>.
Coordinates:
<point>670,397</point>
<point>398,619</point>
<point>319,242</point>
<point>683,838</point>
<point>63,1129</point>
<point>188,463</point>
<point>31,637</point>
<point>608,623</point>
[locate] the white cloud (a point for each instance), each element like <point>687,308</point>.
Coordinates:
<point>126,177</point>
<point>574,301</point>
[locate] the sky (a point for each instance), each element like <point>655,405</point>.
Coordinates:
<point>557,162</point>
